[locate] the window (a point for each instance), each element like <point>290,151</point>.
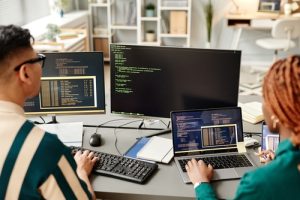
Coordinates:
<point>20,12</point>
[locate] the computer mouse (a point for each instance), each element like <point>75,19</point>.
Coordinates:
<point>250,142</point>
<point>95,140</point>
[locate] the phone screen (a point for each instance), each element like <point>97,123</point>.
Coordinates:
<point>269,140</point>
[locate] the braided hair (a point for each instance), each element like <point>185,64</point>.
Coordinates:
<point>281,92</point>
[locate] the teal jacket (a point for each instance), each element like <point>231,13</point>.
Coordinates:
<point>280,179</point>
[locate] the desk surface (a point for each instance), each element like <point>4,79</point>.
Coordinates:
<point>261,15</point>
<point>165,184</point>
<point>255,20</point>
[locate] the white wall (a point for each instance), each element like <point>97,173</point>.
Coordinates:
<point>6,16</point>
<point>34,9</point>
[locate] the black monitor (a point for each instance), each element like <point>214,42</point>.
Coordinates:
<point>152,81</point>
<point>72,83</point>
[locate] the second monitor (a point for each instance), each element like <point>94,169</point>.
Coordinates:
<point>72,83</point>
<point>152,81</point>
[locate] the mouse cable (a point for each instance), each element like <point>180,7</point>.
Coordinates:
<point>160,120</point>
<point>250,134</point>
<point>115,133</point>
<point>36,122</point>
<point>113,120</point>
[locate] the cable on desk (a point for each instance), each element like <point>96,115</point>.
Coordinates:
<point>43,119</point>
<point>115,133</point>
<point>144,125</point>
<point>250,134</point>
<point>113,120</point>
<point>167,125</point>
<point>36,122</point>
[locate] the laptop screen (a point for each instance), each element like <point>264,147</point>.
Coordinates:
<point>206,130</point>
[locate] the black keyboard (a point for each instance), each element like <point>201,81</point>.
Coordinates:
<point>121,167</point>
<point>222,162</point>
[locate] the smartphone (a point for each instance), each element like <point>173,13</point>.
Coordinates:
<point>269,140</point>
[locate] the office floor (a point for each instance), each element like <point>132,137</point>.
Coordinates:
<point>251,81</point>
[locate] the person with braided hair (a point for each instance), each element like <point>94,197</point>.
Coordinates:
<point>280,178</point>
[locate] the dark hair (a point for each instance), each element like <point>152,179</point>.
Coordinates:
<point>281,91</point>
<point>13,38</point>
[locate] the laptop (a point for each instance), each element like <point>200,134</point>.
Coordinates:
<point>211,135</point>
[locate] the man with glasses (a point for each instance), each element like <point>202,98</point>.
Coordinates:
<point>33,163</point>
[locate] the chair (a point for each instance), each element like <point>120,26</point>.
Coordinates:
<point>283,31</point>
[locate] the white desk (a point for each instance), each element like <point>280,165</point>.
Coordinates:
<point>255,21</point>
<point>165,184</point>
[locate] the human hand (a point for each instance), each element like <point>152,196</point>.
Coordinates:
<point>266,156</point>
<point>85,161</point>
<point>198,171</point>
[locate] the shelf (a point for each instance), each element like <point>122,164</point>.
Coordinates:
<point>149,18</point>
<point>114,16</point>
<point>173,35</point>
<point>125,43</point>
<point>100,36</point>
<point>124,27</point>
<point>150,43</point>
<point>98,4</point>
<point>174,8</point>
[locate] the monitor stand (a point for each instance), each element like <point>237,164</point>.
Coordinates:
<point>53,121</point>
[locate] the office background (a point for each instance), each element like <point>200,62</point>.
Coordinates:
<point>22,12</point>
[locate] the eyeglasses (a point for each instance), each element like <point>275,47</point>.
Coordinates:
<point>40,58</point>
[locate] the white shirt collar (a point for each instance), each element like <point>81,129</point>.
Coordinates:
<point>10,107</point>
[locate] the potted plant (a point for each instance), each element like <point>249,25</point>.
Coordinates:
<point>61,6</point>
<point>209,18</point>
<point>52,31</point>
<point>150,36</point>
<point>150,8</point>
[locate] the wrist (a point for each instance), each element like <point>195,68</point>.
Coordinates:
<point>198,183</point>
<point>82,173</point>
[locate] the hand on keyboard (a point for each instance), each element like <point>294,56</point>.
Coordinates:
<point>85,161</point>
<point>198,171</point>
<point>121,167</point>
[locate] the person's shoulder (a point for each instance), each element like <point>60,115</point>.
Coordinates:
<point>260,176</point>
<point>52,144</point>
<point>48,142</point>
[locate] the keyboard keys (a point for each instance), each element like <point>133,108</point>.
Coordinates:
<point>222,162</point>
<point>121,167</point>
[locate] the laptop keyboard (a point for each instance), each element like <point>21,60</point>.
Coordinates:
<point>221,162</point>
